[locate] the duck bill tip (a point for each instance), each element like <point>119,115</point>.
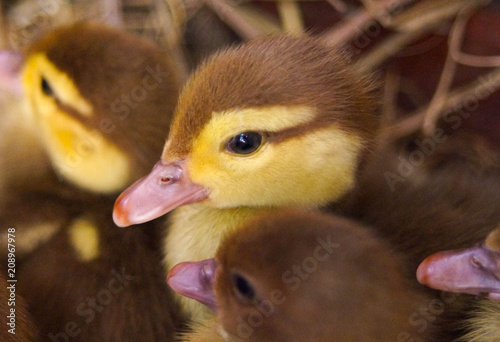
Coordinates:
<point>167,187</point>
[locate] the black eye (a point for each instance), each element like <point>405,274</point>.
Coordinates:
<point>243,288</point>
<point>46,88</point>
<point>244,143</point>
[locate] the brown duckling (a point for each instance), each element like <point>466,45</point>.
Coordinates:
<point>302,276</point>
<point>101,102</point>
<point>428,194</point>
<point>416,199</point>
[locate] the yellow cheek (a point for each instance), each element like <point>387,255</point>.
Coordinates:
<point>310,170</point>
<point>84,156</point>
<point>208,149</point>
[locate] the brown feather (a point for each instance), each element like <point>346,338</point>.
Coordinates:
<point>121,295</point>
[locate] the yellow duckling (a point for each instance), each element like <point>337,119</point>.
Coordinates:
<point>277,122</point>
<point>101,101</point>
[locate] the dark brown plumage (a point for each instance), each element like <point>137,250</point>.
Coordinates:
<point>298,276</point>
<point>425,195</point>
<point>117,295</point>
<point>409,190</point>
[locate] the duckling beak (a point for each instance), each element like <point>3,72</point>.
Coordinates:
<point>195,280</point>
<point>167,187</point>
<point>473,271</point>
<point>10,71</point>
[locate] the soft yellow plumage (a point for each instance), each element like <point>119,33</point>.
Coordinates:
<point>183,241</point>
<point>483,324</point>
<point>301,170</point>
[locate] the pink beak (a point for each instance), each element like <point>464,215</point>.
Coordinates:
<point>11,64</point>
<point>167,187</point>
<point>195,280</point>
<point>475,271</point>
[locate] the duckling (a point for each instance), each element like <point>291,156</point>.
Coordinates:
<point>17,322</point>
<point>91,88</point>
<point>428,194</point>
<point>101,101</point>
<point>93,282</point>
<point>277,122</point>
<point>409,194</point>
<point>323,266</point>
<point>475,271</point>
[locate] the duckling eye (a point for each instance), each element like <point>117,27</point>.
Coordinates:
<point>46,88</point>
<point>242,287</point>
<point>244,143</point>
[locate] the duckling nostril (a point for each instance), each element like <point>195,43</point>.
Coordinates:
<point>166,180</point>
<point>475,262</point>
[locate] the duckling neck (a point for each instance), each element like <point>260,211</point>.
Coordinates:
<point>196,230</point>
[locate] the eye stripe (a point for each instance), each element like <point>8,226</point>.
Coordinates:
<point>270,119</point>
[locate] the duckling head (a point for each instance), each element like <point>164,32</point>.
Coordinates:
<point>322,266</point>
<point>277,122</point>
<point>473,270</point>
<point>102,101</point>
